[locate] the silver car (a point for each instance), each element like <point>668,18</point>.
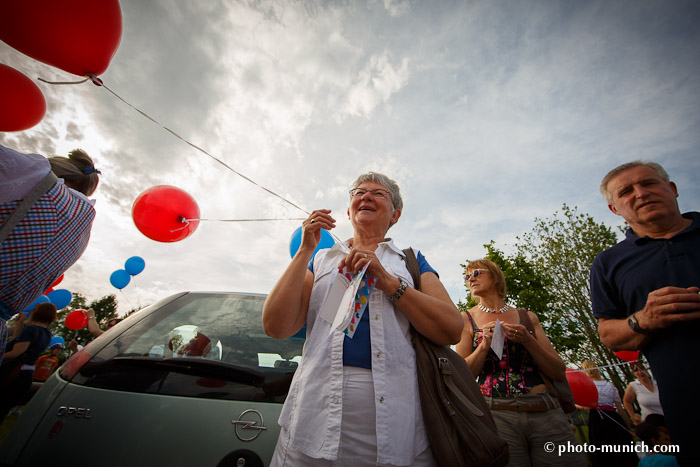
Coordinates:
<point>190,381</point>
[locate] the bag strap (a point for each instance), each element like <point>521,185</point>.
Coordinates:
<point>413,267</point>
<point>444,366</point>
<point>531,329</point>
<point>25,205</point>
<point>525,319</point>
<point>446,372</point>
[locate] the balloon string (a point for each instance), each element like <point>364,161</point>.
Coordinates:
<point>248,220</point>
<point>602,414</point>
<point>127,298</point>
<point>94,79</point>
<point>187,221</point>
<point>98,82</point>
<point>61,82</point>
<point>604,366</point>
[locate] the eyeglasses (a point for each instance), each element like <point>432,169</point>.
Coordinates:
<point>475,273</point>
<point>360,192</point>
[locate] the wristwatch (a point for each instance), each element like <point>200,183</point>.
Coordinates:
<point>634,325</point>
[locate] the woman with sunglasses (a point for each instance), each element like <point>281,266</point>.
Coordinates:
<point>354,398</point>
<point>526,416</point>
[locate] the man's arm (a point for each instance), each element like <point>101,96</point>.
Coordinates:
<point>664,308</point>
<point>617,335</point>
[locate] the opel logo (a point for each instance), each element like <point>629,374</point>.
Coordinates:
<point>249,425</point>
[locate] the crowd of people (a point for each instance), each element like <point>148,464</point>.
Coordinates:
<point>653,307</point>
<point>354,399</point>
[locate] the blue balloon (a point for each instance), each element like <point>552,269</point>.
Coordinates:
<point>27,311</point>
<point>295,241</point>
<point>56,340</point>
<point>120,278</point>
<point>60,297</point>
<point>134,265</point>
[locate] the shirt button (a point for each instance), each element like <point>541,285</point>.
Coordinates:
<point>336,399</point>
<point>379,355</point>
<point>376,317</point>
<point>381,400</point>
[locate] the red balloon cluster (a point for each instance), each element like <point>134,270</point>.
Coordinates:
<point>78,36</point>
<point>583,388</point>
<point>54,284</point>
<point>76,319</point>
<point>160,213</point>
<point>23,104</point>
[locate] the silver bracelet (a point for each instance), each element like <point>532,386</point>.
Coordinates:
<point>402,288</point>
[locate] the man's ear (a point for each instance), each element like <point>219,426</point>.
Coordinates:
<point>674,188</point>
<point>613,209</point>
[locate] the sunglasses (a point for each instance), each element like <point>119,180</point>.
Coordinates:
<point>113,322</point>
<point>475,273</point>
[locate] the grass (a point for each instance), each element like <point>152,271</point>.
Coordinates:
<point>7,425</point>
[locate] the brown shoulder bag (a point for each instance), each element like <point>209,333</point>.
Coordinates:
<point>459,425</point>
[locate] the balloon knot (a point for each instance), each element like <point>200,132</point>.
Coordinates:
<point>182,220</point>
<point>95,80</point>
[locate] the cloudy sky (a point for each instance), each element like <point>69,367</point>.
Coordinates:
<point>487,113</point>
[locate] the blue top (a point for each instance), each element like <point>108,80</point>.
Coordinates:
<point>39,338</point>
<point>357,351</point>
<point>621,279</point>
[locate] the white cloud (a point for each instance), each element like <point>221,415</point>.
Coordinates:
<point>488,114</point>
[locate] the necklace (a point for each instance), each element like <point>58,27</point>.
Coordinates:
<point>489,310</point>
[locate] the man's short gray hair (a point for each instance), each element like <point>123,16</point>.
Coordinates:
<point>630,165</point>
<point>383,180</point>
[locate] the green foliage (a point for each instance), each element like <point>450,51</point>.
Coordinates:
<point>549,273</point>
<point>105,309</point>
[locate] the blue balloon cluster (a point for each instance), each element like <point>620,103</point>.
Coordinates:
<point>295,241</point>
<point>43,299</point>
<point>121,277</point>
<point>61,298</point>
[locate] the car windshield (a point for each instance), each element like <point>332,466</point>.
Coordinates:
<point>199,345</point>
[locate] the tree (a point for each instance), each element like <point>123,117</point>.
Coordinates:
<point>549,274</point>
<point>105,309</point>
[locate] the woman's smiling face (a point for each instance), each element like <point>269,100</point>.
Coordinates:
<point>373,206</point>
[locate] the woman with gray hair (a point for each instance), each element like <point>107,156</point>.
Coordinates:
<point>354,398</point>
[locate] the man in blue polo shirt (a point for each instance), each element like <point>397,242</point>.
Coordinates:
<point>645,292</point>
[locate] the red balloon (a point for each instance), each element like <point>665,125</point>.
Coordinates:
<point>583,388</point>
<point>23,104</point>
<point>160,213</point>
<point>628,355</point>
<point>57,281</point>
<point>76,319</point>
<point>78,36</point>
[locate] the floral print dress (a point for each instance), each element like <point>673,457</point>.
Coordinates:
<point>514,375</point>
